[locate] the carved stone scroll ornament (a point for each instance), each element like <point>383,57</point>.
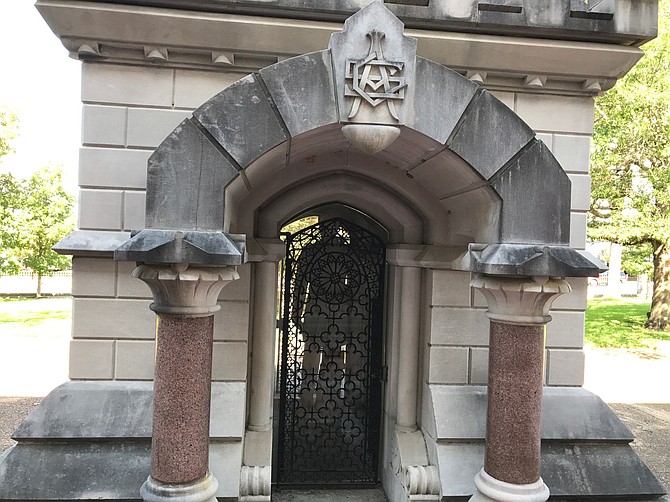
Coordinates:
<point>422,483</point>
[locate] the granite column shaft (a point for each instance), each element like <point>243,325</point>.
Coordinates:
<point>518,312</point>
<point>185,300</point>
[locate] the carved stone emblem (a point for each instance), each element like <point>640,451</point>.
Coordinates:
<point>374,79</point>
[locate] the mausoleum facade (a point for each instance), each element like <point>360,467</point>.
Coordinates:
<point>322,254</point>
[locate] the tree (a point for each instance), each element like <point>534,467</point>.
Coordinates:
<point>36,213</point>
<point>9,128</point>
<point>44,216</point>
<point>630,164</point>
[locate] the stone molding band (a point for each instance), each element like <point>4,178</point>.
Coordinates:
<point>491,489</point>
<point>198,491</point>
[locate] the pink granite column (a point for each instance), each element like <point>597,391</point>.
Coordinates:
<point>518,309</point>
<point>185,300</point>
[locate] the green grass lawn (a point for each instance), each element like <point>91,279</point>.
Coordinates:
<point>613,323</point>
<point>31,312</point>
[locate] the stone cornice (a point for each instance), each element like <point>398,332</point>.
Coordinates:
<point>236,43</point>
<point>625,22</point>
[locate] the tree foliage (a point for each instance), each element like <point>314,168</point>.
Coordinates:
<point>37,212</point>
<point>9,129</point>
<point>630,163</point>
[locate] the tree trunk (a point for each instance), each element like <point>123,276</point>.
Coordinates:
<point>659,317</point>
<point>39,286</point>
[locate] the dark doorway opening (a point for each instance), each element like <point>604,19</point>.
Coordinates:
<point>330,374</point>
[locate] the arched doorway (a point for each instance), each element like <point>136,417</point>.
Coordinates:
<point>331,355</point>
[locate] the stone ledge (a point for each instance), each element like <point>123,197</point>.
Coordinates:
<point>529,260</point>
<point>571,471</point>
<point>114,410</point>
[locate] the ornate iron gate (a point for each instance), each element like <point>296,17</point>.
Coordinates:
<point>330,400</point>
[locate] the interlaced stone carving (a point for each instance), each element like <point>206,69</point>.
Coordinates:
<point>374,79</point>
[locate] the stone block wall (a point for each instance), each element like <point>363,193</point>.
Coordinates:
<point>127,112</point>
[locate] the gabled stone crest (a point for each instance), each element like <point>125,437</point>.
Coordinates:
<point>374,64</point>
<point>374,69</point>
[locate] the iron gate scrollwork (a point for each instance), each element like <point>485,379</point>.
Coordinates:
<point>330,394</point>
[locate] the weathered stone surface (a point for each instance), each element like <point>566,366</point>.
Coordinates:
<point>441,97</point>
<point>174,246</point>
<point>612,21</point>
<point>536,199</point>
<point>611,471</point>
<point>186,179</point>
<point>490,135</point>
<point>242,120</point>
<point>584,452</point>
<point>567,413</point>
<point>74,471</point>
<point>600,472</point>
<point>529,260</point>
<point>302,89</point>
<point>121,410</point>
<point>91,243</point>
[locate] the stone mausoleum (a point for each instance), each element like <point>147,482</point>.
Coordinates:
<point>315,254</point>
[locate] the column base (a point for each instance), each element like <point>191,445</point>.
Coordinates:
<point>198,491</point>
<point>489,489</point>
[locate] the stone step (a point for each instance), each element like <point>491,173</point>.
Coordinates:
<point>362,495</point>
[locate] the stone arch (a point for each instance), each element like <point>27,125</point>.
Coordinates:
<point>269,114</point>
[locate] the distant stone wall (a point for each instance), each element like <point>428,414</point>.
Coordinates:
<point>25,284</point>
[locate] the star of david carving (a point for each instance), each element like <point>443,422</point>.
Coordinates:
<point>374,79</point>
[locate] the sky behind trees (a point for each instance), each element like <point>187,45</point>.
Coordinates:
<point>41,83</point>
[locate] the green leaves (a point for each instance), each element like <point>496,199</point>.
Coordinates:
<point>36,213</point>
<point>9,129</point>
<point>630,158</point>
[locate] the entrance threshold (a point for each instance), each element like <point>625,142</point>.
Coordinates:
<point>362,495</point>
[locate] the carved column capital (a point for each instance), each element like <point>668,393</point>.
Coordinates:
<point>520,300</point>
<point>184,290</point>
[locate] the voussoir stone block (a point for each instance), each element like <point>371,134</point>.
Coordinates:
<point>242,120</point>
<point>490,135</point>
<point>437,108</point>
<point>186,178</point>
<point>536,199</point>
<point>302,89</point>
